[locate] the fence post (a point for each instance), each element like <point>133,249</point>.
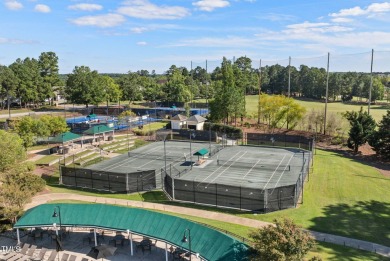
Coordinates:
<point>193,189</point>
<point>173,187</point>
<point>240,198</point>
<point>265,200</point>
<point>216,195</point>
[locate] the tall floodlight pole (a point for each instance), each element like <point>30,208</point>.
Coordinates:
<point>192,87</point>
<point>258,105</point>
<point>207,91</point>
<point>326,93</point>
<point>289,76</point>
<point>369,92</point>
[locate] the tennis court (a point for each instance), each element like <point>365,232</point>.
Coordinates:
<point>151,157</point>
<point>252,178</point>
<point>255,167</point>
<point>241,177</point>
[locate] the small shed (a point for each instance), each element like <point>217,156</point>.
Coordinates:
<point>178,122</point>
<point>196,122</point>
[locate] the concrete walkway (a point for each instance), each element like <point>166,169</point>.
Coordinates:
<point>350,242</point>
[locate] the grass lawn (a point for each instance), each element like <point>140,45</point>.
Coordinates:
<point>47,159</point>
<point>377,111</point>
<point>343,197</point>
<point>326,251</point>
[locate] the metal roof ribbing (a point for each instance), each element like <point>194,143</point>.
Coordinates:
<point>98,129</point>
<point>65,137</point>
<point>210,244</point>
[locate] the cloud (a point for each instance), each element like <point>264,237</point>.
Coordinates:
<point>341,20</point>
<point>15,41</point>
<point>153,27</point>
<point>308,27</point>
<point>277,17</point>
<point>42,8</point>
<point>13,5</point>
<point>375,8</point>
<point>86,7</point>
<point>139,30</point>
<point>210,5</point>
<point>142,43</point>
<point>107,20</point>
<point>146,10</point>
<point>230,41</point>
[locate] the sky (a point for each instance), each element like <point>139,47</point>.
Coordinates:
<point>120,36</point>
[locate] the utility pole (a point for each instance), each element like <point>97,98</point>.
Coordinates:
<point>369,92</point>
<point>289,76</point>
<point>326,94</point>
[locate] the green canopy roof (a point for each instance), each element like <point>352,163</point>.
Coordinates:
<point>201,152</point>
<point>210,244</point>
<point>65,137</point>
<point>91,116</point>
<point>98,129</point>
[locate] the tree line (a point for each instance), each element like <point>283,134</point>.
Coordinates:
<point>34,81</point>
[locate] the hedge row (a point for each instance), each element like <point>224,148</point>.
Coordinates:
<point>230,131</point>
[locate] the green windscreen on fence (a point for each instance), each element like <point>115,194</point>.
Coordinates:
<point>210,244</point>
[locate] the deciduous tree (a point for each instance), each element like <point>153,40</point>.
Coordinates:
<point>12,150</point>
<point>283,242</point>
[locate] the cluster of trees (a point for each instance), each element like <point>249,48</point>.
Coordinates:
<point>310,82</point>
<point>29,129</point>
<point>17,182</point>
<point>230,85</point>
<point>363,129</point>
<point>31,80</point>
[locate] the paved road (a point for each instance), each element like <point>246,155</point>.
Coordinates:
<point>350,242</point>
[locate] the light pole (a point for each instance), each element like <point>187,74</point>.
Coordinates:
<point>185,239</point>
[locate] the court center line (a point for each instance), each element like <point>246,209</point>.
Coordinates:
<point>282,173</point>
<point>251,169</point>
<point>227,167</point>
<point>274,172</point>
<point>218,168</point>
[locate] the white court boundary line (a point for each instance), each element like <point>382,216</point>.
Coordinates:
<point>282,173</point>
<point>126,160</point>
<point>218,168</point>
<point>274,172</point>
<point>225,168</point>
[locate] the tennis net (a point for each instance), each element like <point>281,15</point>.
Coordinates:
<point>252,165</point>
<point>156,156</point>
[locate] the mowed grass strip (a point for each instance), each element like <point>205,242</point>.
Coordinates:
<point>342,197</point>
<point>377,111</point>
<point>326,251</point>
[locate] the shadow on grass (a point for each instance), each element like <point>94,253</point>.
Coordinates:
<point>341,253</point>
<point>369,160</point>
<point>365,220</point>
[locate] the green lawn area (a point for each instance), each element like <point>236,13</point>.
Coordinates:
<point>343,197</point>
<point>47,159</point>
<point>377,111</point>
<point>326,251</point>
<point>13,110</point>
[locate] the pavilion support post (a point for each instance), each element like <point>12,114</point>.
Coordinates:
<point>55,227</point>
<point>94,234</point>
<point>166,252</point>
<point>131,243</point>
<point>18,235</point>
